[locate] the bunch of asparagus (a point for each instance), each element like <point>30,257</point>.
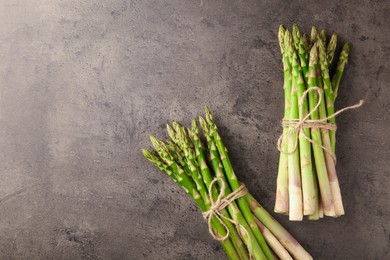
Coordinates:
<point>307,182</point>
<point>245,229</point>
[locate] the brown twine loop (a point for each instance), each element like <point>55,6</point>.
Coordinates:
<point>298,125</point>
<point>219,204</point>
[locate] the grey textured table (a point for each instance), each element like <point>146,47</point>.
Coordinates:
<point>83,84</point>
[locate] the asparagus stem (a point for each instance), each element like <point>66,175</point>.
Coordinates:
<point>308,189</point>
<point>328,135</point>
<point>273,242</point>
<point>321,211</point>
<point>207,177</point>
<point>329,159</point>
<point>343,60</point>
<point>294,175</point>
<point>281,201</point>
<point>319,158</point>
<point>287,240</point>
<point>234,184</point>
<point>315,215</point>
<point>327,86</point>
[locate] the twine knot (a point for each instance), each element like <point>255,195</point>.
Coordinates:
<point>298,125</point>
<point>221,203</point>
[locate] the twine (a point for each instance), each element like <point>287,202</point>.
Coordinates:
<point>221,203</point>
<point>298,125</point>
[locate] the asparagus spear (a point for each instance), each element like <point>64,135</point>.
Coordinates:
<point>329,158</point>
<point>281,201</point>
<point>330,50</point>
<point>343,60</point>
<point>319,158</point>
<point>287,240</point>
<point>330,138</point>
<point>308,188</point>
<point>273,242</point>
<point>330,55</point>
<point>294,175</point>
<point>234,184</point>
<point>327,86</point>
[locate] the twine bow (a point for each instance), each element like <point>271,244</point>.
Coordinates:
<point>298,125</point>
<point>219,204</point>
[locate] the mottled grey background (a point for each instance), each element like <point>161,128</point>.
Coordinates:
<point>83,84</point>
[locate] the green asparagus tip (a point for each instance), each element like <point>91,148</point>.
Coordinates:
<point>313,35</point>
<point>171,133</point>
<point>313,55</point>
<point>288,44</point>
<point>203,125</point>
<point>150,156</point>
<point>182,135</point>
<point>343,60</point>
<point>155,142</point>
<point>195,128</point>
<point>281,37</point>
<point>305,42</point>
<point>323,37</point>
<point>146,153</point>
<point>296,35</point>
<point>191,135</point>
<point>177,126</point>
<point>331,48</point>
<point>345,52</point>
<point>322,54</point>
<point>346,47</point>
<point>209,117</point>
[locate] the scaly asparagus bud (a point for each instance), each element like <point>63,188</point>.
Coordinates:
<point>323,37</point>
<point>313,35</point>
<point>281,38</point>
<point>296,36</point>
<point>343,60</point>
<point>331,48</point>
<point>172,134</point>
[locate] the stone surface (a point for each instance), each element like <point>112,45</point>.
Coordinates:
<point>83,84</point>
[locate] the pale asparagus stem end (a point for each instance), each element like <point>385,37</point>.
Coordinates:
<point>273,242</point>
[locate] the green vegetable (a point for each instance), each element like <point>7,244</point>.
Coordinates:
<point>194,166</point>
<point>308,141</point>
